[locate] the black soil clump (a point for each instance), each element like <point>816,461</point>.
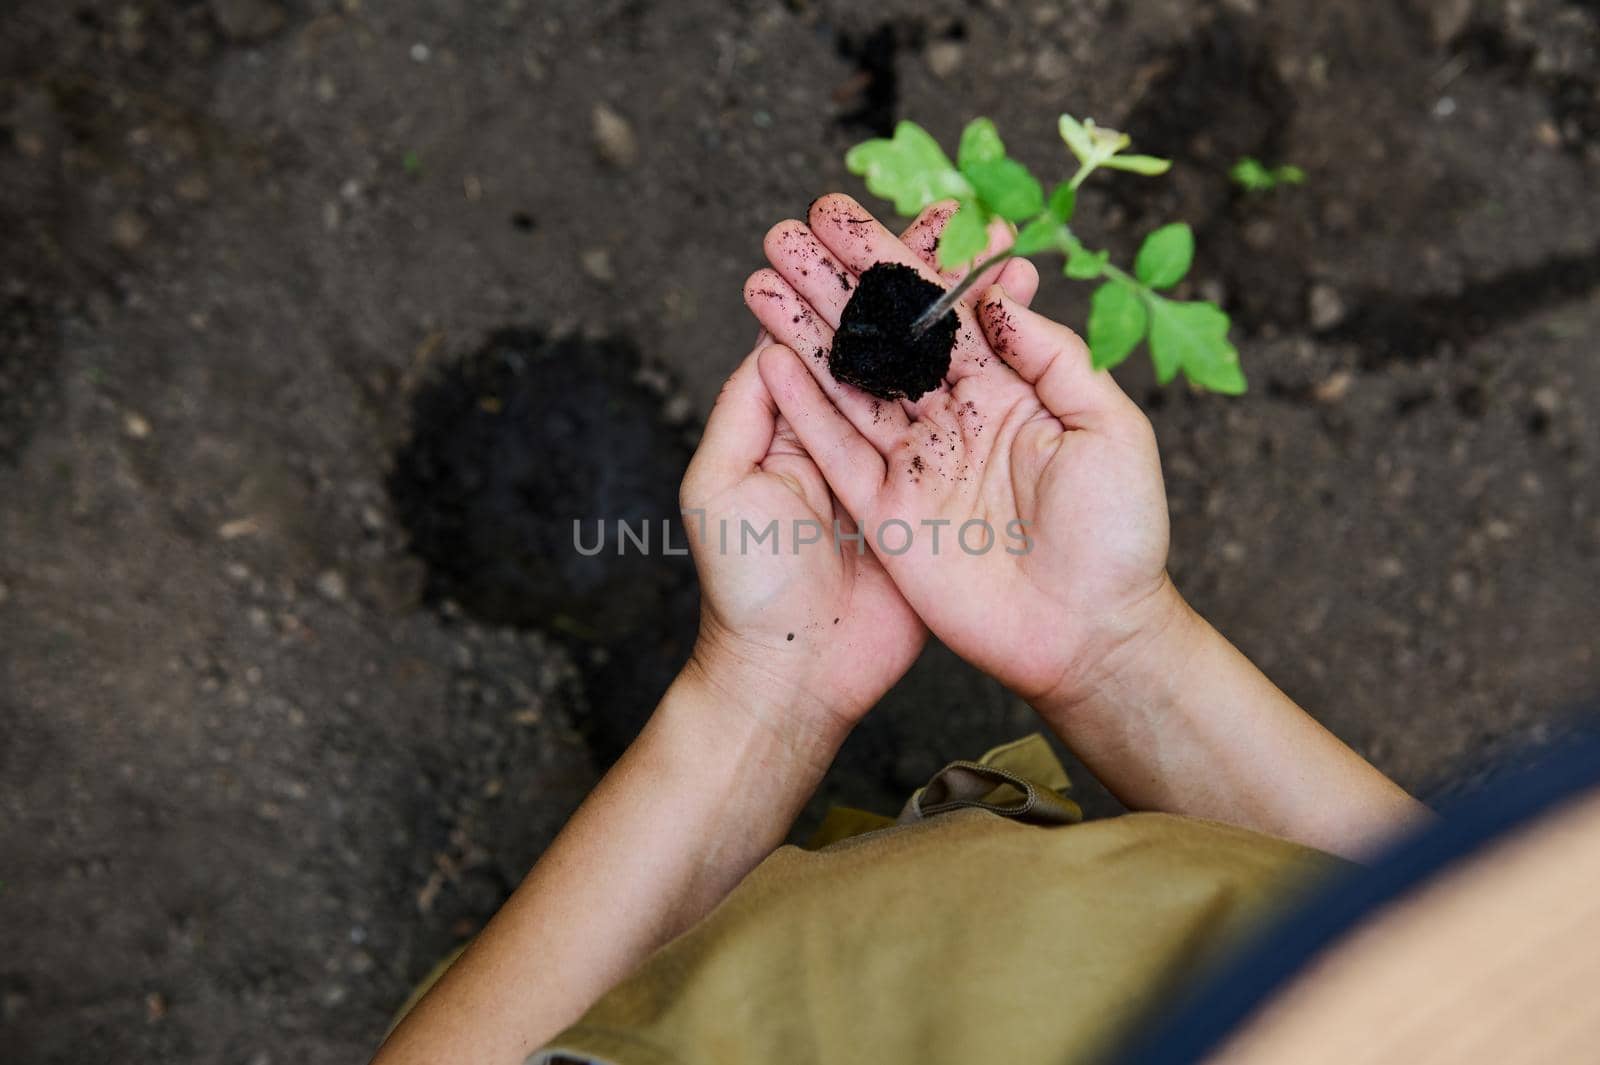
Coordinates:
<point>873,348</point>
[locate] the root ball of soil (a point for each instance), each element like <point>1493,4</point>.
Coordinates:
<point>873,348</point>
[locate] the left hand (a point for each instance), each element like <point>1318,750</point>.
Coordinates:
<point>786,626</point>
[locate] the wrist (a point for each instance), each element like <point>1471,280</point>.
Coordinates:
<point>1155,638</point>
<point>752,706</point>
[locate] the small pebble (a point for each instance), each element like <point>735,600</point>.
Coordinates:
<point>614,139</point>
<point>247,20</point>
<point>1325,306</point>
<point>596,262</point>
<point>331,586</point>
<point>1334,387</point>
<point>128,230</point>
<point>944,57</point>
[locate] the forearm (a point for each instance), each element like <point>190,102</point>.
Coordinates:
<point>1185,723</point>
<point>708,789</point>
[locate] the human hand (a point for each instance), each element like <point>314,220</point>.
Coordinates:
<point>1024,430</point>
<point>788,621</point>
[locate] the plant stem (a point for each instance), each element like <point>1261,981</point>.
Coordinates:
<point>943,305</point>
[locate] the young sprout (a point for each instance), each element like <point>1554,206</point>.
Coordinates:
<point>1184,336</point>
<point>1252,175</point>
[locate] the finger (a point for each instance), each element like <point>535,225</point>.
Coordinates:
<point>788,460</point>
<point>1020,279</point>
<point>810,269</point>
<point>1050,357</point>
<point>859,241</point>
<point>793,323</point>
<point>737,436</point>
<point>823,282</point>
<point>853,467</point>
<point>923,239</point>
<point>922,236</point>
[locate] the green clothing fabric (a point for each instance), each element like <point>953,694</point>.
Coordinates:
<point>958,936</point>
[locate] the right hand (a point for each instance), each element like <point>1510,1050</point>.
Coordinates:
<point>1022,430</point>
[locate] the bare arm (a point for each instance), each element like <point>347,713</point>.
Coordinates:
<point>1083,623</point>
<point>797,641</point>
<point>1183,722</point>
<point>708,789</point>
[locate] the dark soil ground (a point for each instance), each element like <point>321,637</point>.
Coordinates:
<point>261,763</point>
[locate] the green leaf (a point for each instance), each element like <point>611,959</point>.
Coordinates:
<point>1062,202</point>
<point>1076,136</point>
<point>964,236</point>
<point>1165,255</point>
<point>1006,188</point>
<point>1139,164</point>
<point>1225,377</point>
<point>1250,175</point>
<point>980,143</point>
<point>1083,264</point>
<point>1039,235</point>
<point>910,169</point>
<point>1193,337</point>
<point>1117,323</point>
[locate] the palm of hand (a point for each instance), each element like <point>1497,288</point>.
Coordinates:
<point>1000,469</point>
<point>827,622</point>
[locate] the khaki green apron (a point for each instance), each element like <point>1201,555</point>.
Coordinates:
<point>987,925</point>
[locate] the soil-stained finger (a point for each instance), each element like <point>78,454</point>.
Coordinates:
<point>794,323</point>
<point>853,466</point>
<point>860,241</point>
<point>796,253</point>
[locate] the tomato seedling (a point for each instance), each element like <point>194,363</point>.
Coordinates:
<point>1253,175</point>
<point>1184,336</point>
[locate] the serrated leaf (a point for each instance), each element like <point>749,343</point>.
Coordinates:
<point>1006,188</point>
<point>1225,377</point>
<point>1062,202</point>
<point>980,143</point>
<point>1076,136</point>
<point>910,169</point>
<point>1165,255</point>
<point>1083,264</point>
<point>964,236</point>
<point>1117,322</point>
<point>1139,164</point>
<point>1040,234</point>
<point>1193,337</point>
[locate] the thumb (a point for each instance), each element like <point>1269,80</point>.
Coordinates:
<point>737,435</point>
<point>1051,358</point>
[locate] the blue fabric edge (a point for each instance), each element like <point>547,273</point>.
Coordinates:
<point>1186,1031</point>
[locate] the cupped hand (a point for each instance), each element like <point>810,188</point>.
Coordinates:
<point>1019,507</point>
<point>792,624</point>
